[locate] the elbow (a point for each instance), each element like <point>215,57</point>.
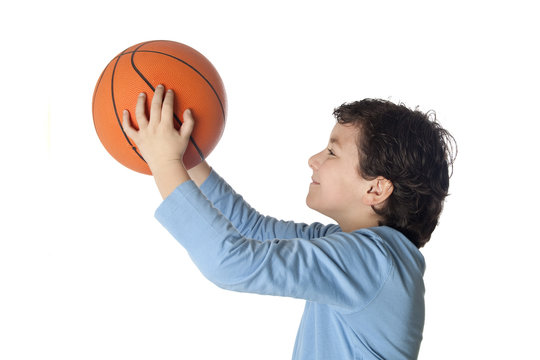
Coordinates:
<point>234,265</point>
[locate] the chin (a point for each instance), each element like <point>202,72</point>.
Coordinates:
<point>313,206</point>
<point>309,202</point>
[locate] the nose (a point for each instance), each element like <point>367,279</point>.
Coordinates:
<point>314,162</point>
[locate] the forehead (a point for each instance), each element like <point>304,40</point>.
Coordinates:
<point>344,135</point>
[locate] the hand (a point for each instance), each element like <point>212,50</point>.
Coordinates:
<point>159,143</point>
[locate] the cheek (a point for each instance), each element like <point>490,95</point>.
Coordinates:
<point>342,185</point>
<point>331,187</point>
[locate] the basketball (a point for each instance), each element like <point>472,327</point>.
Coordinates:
<point>140,68</point>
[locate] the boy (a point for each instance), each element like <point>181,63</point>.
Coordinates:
<point>383,179</point>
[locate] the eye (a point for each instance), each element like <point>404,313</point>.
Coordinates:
<point>330,152</point>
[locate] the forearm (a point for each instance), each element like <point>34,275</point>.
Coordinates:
<point>169,176</point>
<point>236,262</point>
<point>199,173</point>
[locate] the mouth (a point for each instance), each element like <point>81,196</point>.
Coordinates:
<point>313,182</point>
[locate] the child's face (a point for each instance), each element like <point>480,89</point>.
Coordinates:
<point>337,188</point>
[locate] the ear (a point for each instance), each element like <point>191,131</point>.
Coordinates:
<point>379,190</point>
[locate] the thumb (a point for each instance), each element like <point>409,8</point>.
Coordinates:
<point>126,125</point>
<point>187,125</point>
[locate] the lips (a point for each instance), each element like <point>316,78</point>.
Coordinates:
<point>314,182</point>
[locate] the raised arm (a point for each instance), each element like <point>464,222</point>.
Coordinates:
<point>342,269</point>
<point>250,222</point>
<point>163,147</point>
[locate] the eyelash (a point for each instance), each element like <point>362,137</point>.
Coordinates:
<point>330,152</point>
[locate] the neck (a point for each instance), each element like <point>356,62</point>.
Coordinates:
<point>361,222</point>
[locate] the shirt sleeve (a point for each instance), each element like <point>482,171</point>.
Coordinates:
<point>250,222</point>
<point>342,269</point>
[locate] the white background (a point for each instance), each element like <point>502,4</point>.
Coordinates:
<point>86,272</point>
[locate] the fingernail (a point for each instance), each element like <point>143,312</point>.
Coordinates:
<point>160,86</point>
<point>170,91</point>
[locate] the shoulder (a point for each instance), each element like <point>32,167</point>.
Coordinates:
<point>380,250</point>
<point>399,247</point>
<point>360,259</point>
<point>383,258</point>
<point>359,253</point>
<point>369,247</point>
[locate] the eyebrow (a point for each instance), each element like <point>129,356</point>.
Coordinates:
<point>335,141</point>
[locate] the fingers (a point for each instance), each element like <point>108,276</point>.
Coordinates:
<point>167,111</point>
<point>162,109</point>
<point>188,124</point>
<point>155,108</point>
<point>140,111</point>
<point>128,129</point>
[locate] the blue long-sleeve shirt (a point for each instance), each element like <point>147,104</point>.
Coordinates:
<point>364,289</point>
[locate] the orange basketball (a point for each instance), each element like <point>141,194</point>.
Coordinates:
<point>140,68</point>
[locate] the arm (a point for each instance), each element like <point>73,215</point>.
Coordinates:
<point>251,223</point>
<point>199,173</point>
<point>246,219</point>
<point>336,270</point>
<point>343,270</point>
<point>161,146</point>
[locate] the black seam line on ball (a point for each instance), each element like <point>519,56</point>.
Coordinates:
<point>153,89</point>
<point>138,49</point>
<point>116,111</point>
<point>194,69</point>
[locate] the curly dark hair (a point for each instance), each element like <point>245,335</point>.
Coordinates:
<point>409,148</point>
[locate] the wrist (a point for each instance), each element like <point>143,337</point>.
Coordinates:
<point>200,172</point>
<point>161,165</point>
<point>168,175</point>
